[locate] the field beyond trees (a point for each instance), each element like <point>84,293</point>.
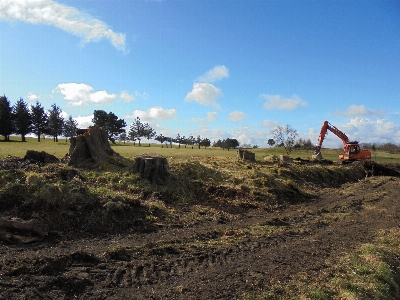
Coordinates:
<point>219,228</point>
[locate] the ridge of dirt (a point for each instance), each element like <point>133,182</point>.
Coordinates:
<point>248,249</point>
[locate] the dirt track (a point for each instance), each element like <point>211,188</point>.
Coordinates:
<point>252,251</point>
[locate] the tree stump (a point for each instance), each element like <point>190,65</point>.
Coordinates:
<point>152,167</point>
<point>90,148</point>
<point>246,154</point>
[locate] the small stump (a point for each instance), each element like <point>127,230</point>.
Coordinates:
<point>153,167</point>
<point>246,154</point>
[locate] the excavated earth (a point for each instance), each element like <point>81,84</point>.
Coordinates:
<point>214,259</point>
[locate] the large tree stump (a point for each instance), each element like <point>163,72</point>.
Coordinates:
<point>152,167</point>
<point>90,148</point>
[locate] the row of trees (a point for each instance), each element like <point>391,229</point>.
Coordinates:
<point>22,120</point>
<point>387,147</point>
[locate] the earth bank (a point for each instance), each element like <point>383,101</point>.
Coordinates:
<point>218,228</point>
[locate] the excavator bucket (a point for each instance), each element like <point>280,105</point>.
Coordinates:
<point>317,156</point>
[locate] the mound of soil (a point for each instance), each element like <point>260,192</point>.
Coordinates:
<point>240,250</point>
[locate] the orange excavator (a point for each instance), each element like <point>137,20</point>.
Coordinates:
<point>351,150</point>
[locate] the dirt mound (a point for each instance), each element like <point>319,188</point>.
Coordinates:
<point>41,157</point>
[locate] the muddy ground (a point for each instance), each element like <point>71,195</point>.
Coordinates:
<point>252,251</point>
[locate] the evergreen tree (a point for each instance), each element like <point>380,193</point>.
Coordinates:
<point>110,123</point>
<point>56,122</point>
<point>39,119</point>
<point>149,132</point>
<point>6,118</point>
<point>123,137</point>
<point>178,140</point>
<point>70,127</point>
<point>161,139</point>
<point>22,119</point>
<point>136,130</point>
<point>205,142</point>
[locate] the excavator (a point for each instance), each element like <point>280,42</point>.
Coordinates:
<point>351,150</point>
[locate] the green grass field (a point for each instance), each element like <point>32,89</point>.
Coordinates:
<point>17,148</point>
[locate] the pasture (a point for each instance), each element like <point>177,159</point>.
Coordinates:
<point>59,149</point>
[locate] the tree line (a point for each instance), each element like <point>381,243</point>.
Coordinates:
<point>22,119</point>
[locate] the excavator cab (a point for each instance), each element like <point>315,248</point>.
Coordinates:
<point>354,149</point>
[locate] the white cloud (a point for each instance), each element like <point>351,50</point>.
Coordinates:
<point>62,16</point>
<point>32,96</point>
<point>211,116</point>
<point>359,110</point>
<point>79,94</point>
<point>364,131</point>
<point>141,95</point>
<point>237,116</point>
<point>218,73</point>
<point>156,113</point>
<point>246,135</point>
<point>270,124</point>
<point>369,131</point>
<point>126,97</point>
<point>64,115</point>
<point>84,122</point>
<point>205,94</point>
<point>102,97</point>
<point>278,102</point>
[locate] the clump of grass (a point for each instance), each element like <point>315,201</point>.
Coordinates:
<point>372,272</point>
<point>118,253</point>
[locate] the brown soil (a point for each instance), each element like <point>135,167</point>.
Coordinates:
<point>222,258</point>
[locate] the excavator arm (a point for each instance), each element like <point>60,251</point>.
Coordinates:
<point>351,150</point>
<point>324,131</point>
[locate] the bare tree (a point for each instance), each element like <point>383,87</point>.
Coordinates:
<point>285,136</point>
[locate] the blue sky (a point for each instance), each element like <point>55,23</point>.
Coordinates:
<point>218,69</point>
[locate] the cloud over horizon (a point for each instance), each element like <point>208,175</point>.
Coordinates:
<point>204,92</point>
<point>279,102</point>
<point>359,110</point>
<point>81,94</point>
<point>270,124</point>
<point>211,116</point>
<point>217,73</point>
<point>126,97</point>
<point>237,116</point>
<point>61,16</point>
<point>32,96</point>
<point>155,113</point>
